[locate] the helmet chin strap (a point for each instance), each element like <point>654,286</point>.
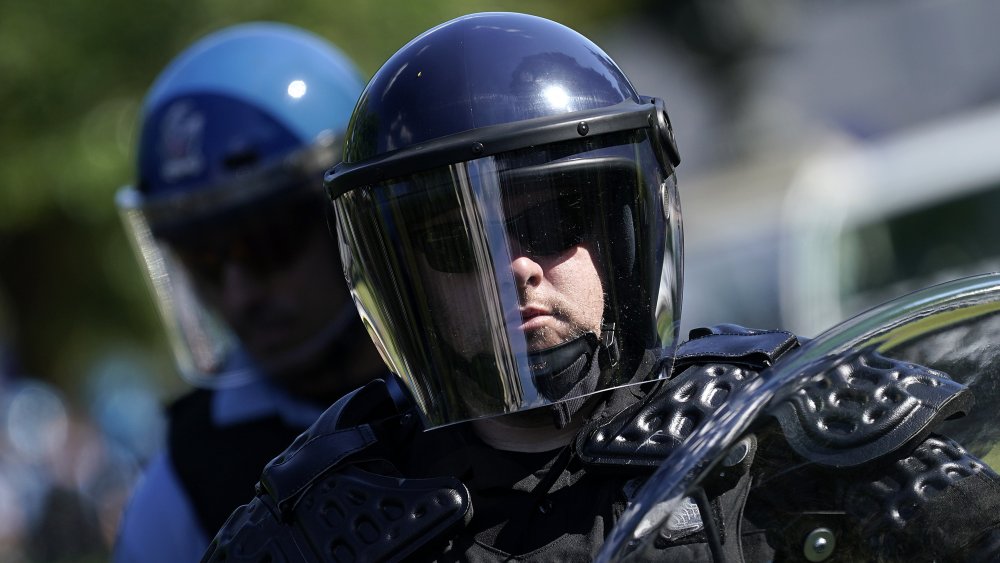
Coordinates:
<point>556,370</point>
<point>565,374</point>
<point>569,370</point>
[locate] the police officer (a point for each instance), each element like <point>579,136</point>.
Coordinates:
<point>509,220</point>
<point>236,133</point>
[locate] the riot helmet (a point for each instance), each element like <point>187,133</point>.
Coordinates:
<point>508,219</point>
<point>235,135</point>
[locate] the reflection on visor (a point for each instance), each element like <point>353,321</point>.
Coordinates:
<point>544,229</point>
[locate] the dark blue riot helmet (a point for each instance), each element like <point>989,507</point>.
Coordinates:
<point>235,135</point>
<point>508,219</point>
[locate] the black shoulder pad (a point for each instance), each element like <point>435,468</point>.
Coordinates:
<point>350,515</point>
<point>643,434</point>
<point>713,364</point>
<point>315,503</point>
<point>372,401</point>
<point>341,431</point>
<point>734,344</point>
<point>902,493</point>
<point>865,405</point>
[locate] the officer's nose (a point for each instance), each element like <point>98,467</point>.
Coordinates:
<point>527,271</point>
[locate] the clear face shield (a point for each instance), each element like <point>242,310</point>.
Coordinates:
<point>519,280</point>
<point>255,227</point>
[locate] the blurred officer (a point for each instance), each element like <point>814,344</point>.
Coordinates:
<point>509,219</point>
<point>226,216</point>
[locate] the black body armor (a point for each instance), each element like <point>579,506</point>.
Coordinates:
<point>838,452</point>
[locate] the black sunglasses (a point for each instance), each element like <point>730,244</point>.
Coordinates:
<point>262,245</point>
<point>543,229</point>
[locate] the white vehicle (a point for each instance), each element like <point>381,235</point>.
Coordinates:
<point>871,222</point>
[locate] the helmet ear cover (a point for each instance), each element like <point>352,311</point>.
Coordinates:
<point>665,130</point>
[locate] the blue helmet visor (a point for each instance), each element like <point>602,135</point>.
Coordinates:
<point>266,220</point>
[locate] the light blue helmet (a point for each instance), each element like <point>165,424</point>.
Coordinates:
<point>239,102</point>
<point>242,121</point>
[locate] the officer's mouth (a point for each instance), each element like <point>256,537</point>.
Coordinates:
<point>534,318</point>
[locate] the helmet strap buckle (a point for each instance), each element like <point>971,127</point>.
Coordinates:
<point>609,352</point>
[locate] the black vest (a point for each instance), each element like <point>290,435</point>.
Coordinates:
<point>219,466</point>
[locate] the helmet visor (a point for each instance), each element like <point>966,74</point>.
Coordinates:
<point>262,224</point>
<point>518,280</point>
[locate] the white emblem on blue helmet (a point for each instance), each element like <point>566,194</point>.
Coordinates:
<point>181,143</point>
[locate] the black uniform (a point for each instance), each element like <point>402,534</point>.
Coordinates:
<point>351,490</point>
<point>237,452</point>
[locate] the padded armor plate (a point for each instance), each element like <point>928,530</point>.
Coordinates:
<point>864,405</point>
<point>860,407</point>
<point>716,362</point>
<point>644,434</point>
<point>314,502</point>
<point>337,434</point>
<point>934,466</point>
<point>349,515</point>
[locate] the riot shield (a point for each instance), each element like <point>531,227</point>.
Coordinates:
<point>875,441</point>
